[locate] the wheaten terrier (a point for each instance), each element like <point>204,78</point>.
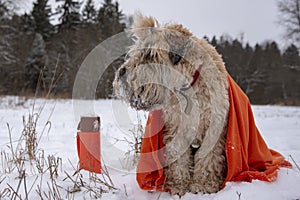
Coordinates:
<point>168,68</point>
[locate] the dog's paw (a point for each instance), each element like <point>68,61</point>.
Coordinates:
<point>195,188</point>
<point>177,191</point>
<point>207,188</point>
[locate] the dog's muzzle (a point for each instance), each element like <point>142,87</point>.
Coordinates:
<point>138,103</point>
<point>129,94</point>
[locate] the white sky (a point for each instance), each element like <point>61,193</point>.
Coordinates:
<point>256,19</point>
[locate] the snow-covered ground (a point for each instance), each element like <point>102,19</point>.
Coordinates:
<point>279,125</point>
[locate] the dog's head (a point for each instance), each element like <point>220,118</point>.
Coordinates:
<point>162,58</point>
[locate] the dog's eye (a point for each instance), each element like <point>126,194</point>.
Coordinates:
<point>122,71</point>
<point>147,54</point>
<point>174,57</point>
<point>142,89</point>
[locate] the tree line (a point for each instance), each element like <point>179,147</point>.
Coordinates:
<point>266,74</point>
<point>30,43</point>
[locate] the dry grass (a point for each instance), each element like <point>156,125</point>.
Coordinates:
<point>295,163</point>
<point>92,185</point>
<point>134,143</point>
<point>239,194</point>
<point>23,158</point>
<point>53,190</point>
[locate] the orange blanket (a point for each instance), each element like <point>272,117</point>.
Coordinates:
<point>248,156</point>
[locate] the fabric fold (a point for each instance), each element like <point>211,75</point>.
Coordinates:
<point>150,175</point>
<point>248,156</point>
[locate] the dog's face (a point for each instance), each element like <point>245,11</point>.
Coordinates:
<point>158,62</point>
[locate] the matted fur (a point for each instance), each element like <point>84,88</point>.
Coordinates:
<point>148,80</point>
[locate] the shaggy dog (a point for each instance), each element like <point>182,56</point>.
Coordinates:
<point>168,68</point>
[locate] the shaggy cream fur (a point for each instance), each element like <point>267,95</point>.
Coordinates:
<point>150,79</point>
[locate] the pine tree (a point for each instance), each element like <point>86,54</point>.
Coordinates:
<point>41,13</point>
<point>236,56</point>
<point>273,68</point>
<point>27,24</point>
<point>247,71</point>
<point>36,62</point>
<point>17,37</point>
<point>70,13</point>
<point>7,56</point>
<point>256,82</point>
<point>89,13</point>
<point>291,74</point>
<point>109,18</point>
<point>291,57</point>
<point>5,48</point>
<point>8,8</point>
<point>3,10</point>
<point>214,41</point>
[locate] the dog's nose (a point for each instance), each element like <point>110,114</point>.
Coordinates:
<point>122,71</point>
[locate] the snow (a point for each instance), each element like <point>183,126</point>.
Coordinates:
<point>279,125</point>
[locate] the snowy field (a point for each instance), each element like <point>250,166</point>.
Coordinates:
<point>279,125</point>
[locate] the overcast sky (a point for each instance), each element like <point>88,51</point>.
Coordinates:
<point>255,19</point>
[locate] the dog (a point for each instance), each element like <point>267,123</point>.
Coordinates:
<point>168,68</point>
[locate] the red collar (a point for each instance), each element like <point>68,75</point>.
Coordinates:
<point>189,103</point>
<point>196,75</point>
<point>195,78</point>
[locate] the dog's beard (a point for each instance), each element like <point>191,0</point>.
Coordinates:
<point>137,102</point>
<point>145,97</point>
<point>141,88</point>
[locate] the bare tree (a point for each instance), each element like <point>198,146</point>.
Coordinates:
<point>290,18</point>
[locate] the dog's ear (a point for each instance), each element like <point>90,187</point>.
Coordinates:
<point>143,26</point>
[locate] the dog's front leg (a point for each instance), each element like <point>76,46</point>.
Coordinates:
<point>178,172</point>
<point>209,172</point>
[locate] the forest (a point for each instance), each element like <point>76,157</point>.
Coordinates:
<point>37,54</point>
